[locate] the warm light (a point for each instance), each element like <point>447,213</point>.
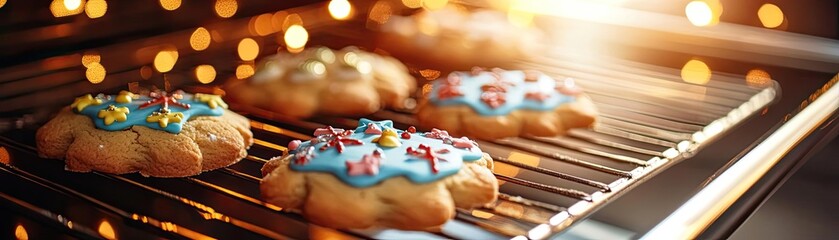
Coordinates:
<point>412,3</point>
<point>2,3</point>
<point>770,15</point>
<point>145,72</point>
<point>699,13</point>
<point>165,60</point>
<point>434,4</point>
<point>519,18</point>
<point>482,214</point>
<point>90,57</point>
<point>95,73</point>
<point>20,233</point>
<point>226,8</point>
<point>72,4</point>
<point>758,78</point>
<point>205,73</point>
<point>380,12</point>
<point>428,26</point>
<point>277,20</point>
<point>200,39</point>
<point>170,5</point>
<point>696,72</point>
<point>291,20</point>
<point>296,37</point>
<point>339,9</point>
<point>248,49</point>
<point>512,171</point>
<point>6,158</point>
<point>95,8</point>
<point>429,74</point>
<point>244,71</point>
<point>107,231</point>
<point>262,25</point>
<point>59,8</point>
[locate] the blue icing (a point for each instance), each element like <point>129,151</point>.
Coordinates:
<point>395,161</point>
<point>470,86</point>
<point>137,116</point>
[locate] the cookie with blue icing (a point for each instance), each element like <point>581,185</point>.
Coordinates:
<point>346,82</point>
<point>376,175</point>
<point>157,134</point>
<point>499,103</point>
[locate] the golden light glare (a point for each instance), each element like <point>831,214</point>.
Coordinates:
<point>339,9</point>
<point>699,13</point>
<point>380,12</point>
<point>200,39</point>
<point>244,71</point>
<point>296,37</point>
<point>95,8</point>
<point>248,49</point>
<point>170,5</point>
<point>262,25</point>
<point>205,73</point>
<point>696,72</point>
<point>90,57</point>
<point>95,73</point>
<point>72,4</point>
<point>291,20</point>
<point>277,20</point>
<point>770,15</point>
<point>512,171</point>
<point>520,18</point>
<point>434,4</point>
<point>58,8</point>
<point>165,60</point>
<point>226,8</point>
<point>758,78</point>
<point>412,3</point>
<point>2,3</point>
<point>107,231</point>
<point>20,233</point>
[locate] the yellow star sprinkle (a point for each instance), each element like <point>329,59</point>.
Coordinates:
<point>211,100</point>
<point>84,101</point>
<point>164,118</point>
<point>113,113</point>
<point>125,97</point>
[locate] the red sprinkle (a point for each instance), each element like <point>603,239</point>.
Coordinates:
<point>406,135</point>
<point>412,129</point>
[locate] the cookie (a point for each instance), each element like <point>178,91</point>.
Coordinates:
<point>347,82</point>
<point>454,38</point>
<point>498,103</point>
<point>376,175</point>
<point>161,135</point>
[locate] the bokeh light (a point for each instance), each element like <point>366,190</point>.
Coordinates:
<point>20,232</point>
<point>244,71</point>
<point>770,15</point>
<point>90,57</point>
<point>380,12</point>
<point>291,20</point>
<point>758,78</point>
<point>145,72</point>
<point>412,3</point>
<point>200,39</point>
<point>696,72</point>
<point>95,8</point>
<point>170,5</point>
<point>339,9</point>
<point>59,8</point>
<point>2,3</point>
<point>296,37</point>
<point>165,60</point>
<point>226,8</point>
<point>699,13</point>
<point>262,25</point>
<point>205,73</point>
<point>106,230</point>
<point>248,49</point>
<point>95,73</point>
<point>72,5</point>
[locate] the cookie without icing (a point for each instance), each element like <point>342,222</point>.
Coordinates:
<point>160,135</point>
<point>498,103</point>
<point>346,82</point>
<point>376,175</point>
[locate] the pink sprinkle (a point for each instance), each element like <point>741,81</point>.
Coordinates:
<point>373,129</point>
<point>463,142</point>
<point>324,131</point>
<point>369,164</point>
<point>293,145</point>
